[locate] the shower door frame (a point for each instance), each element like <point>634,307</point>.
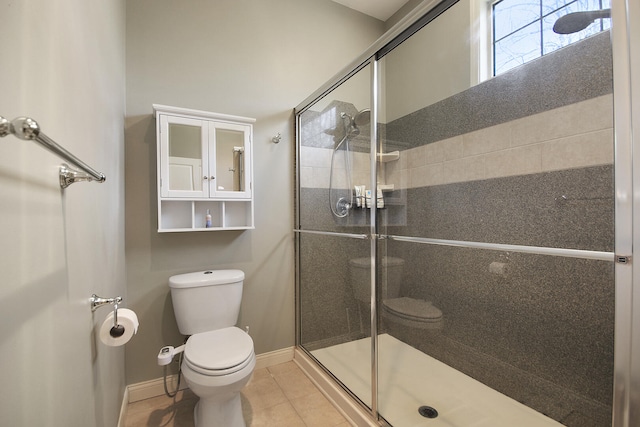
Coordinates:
<point>372,234</point>
<point>625,40</point>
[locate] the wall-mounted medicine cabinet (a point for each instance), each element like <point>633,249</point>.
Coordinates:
<point>205,170</point>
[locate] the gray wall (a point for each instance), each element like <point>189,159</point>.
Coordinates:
<point>63,64</point>
<point>240,57</point>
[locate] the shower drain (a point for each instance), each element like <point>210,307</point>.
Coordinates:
<point>428,411</point>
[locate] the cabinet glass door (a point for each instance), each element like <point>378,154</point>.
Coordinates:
<point>184,162</point>
<point>230,156</point>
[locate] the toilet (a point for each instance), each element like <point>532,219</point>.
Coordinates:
<point>412,312</point>
<point>218,358</point>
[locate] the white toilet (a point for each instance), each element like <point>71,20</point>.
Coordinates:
<point>218,357</point>
<point>400,310</point>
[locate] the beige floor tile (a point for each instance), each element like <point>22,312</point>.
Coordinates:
<point>263,391</point>
<point>282,415</point>
<point>278,396</point>
<point>293,382</point>
<point>259,374</point>
<point>316,411</point>
<point>162,411</point>
<point>283,368</point>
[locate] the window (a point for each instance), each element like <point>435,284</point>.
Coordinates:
<point>522,30</point>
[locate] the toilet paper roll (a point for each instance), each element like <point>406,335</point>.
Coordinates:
<point>127,319</point>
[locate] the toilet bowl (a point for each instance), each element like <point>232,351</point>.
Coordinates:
<point>406,311</point>
<point>217,365</point>
<point>218,358</point>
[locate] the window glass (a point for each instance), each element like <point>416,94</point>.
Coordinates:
<point>517,48</point>
<point>523,29</point>
<point>512,15</point>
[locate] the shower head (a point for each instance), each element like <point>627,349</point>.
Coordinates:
<point>363,117</point>
<point>350,127</point>
<point>360,119</point>
<point>578,21</point>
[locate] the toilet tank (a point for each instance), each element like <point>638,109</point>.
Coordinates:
<point>206,300</point>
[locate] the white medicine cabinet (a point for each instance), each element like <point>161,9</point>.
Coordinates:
<point>204,170</point>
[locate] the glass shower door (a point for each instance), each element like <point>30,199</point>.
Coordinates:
<point>496,273</point>
<point>334,297</point>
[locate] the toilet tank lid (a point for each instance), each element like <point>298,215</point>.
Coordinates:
<point>206,278</point>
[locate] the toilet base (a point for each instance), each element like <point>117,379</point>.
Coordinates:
<point>220,399</point>
<point>219,413</point>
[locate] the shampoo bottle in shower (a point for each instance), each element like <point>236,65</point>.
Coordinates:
<point>380,199</point>
<point>208,219</point>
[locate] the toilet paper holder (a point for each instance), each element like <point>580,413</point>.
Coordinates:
<point>96,301</point>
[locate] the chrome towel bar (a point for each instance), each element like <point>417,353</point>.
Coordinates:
<point>28,129</point>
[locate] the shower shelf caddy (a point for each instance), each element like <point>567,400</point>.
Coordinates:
<point>204,170</point>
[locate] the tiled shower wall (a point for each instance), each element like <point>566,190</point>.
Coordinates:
<point>552,114</point>
<point>574,136</point>
<point>536,171</point>
<point>537,328</point>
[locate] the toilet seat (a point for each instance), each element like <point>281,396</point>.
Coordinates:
<point>219,352</point>
<point>413,309</point>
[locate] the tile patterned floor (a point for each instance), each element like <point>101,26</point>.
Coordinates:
<point>280,395</point>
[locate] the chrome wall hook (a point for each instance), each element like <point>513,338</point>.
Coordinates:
<point>276,139</point>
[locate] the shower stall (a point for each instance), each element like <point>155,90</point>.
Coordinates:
<point>463,219</point>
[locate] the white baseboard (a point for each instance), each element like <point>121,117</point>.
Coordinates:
<point>353,412</point>
<point>153,388</point>
<point>276,357</point>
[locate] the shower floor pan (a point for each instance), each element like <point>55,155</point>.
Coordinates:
<point>409,379</point>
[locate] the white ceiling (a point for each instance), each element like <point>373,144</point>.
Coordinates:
<point>380,9</point>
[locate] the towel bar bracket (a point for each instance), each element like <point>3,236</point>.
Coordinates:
<point>5,127</point>
<point>68,176</point>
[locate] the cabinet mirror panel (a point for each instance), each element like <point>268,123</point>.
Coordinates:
<point>230,160</point>
<point>185,157</point>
